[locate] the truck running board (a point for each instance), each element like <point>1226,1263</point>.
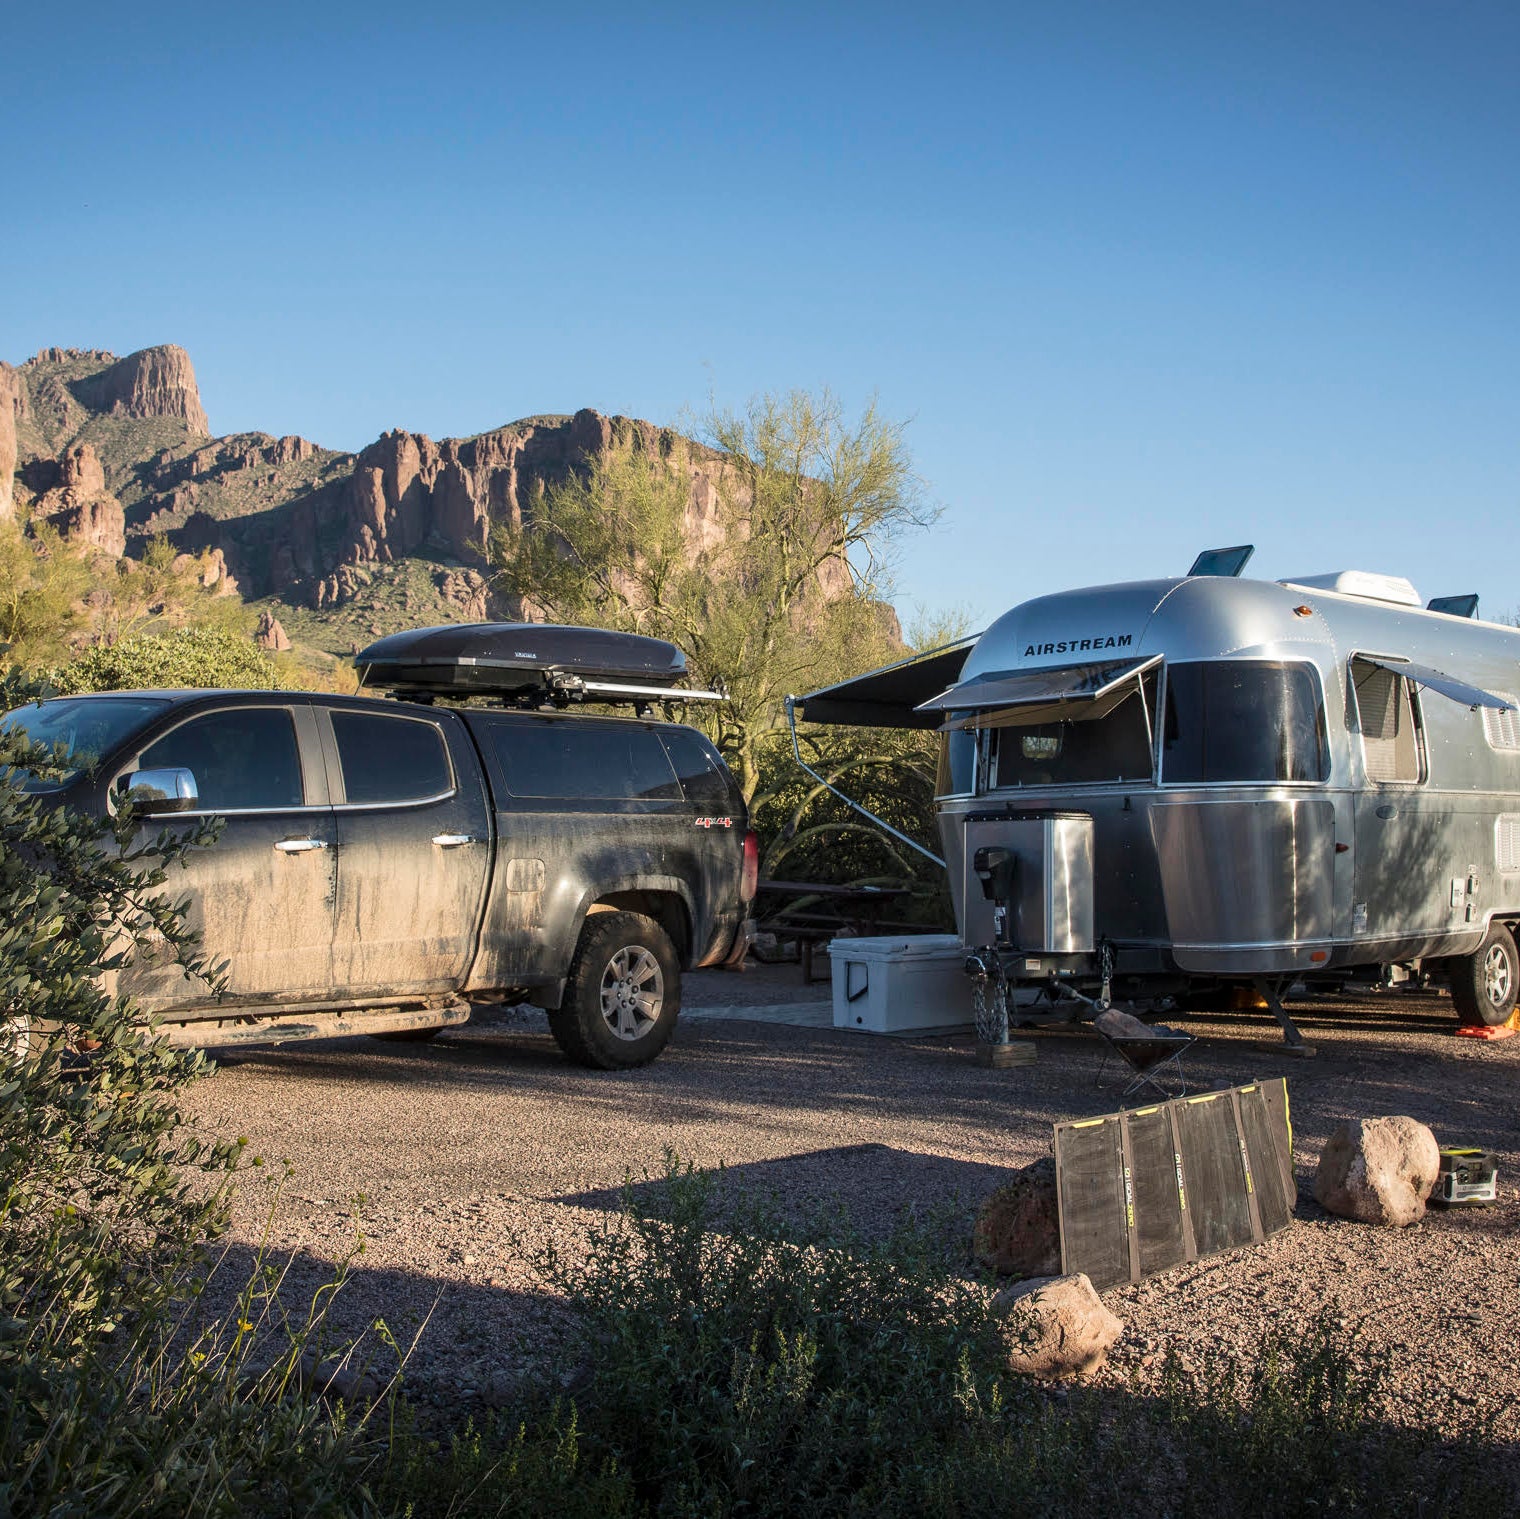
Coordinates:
<point>284,1028</point>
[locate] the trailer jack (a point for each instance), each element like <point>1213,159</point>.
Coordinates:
<point>1294,1042</point>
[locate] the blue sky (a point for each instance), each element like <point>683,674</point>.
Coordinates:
<point>1144,278</point>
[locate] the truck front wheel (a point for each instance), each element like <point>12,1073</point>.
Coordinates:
<point>623,993</point>
<point>1483,986</point>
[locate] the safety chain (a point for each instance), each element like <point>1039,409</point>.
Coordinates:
<point>989,997</point>
<point>1106,968</point>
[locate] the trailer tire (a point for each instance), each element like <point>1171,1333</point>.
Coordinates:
<point>622,996</point>
<point>1484,985</point>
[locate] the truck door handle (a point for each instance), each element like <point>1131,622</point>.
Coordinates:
<point>300,846</point>
<point>454,840</point>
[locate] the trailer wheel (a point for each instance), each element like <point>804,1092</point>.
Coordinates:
<point>623,993</point>
<point>1484,985</point>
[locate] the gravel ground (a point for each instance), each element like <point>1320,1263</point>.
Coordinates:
<point>478,1151</point>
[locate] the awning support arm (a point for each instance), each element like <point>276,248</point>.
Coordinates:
<point>791,722</point>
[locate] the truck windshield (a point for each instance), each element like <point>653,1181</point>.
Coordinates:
<point>80,729</point>
<point>1078,752</point>
<point>1243,721</point>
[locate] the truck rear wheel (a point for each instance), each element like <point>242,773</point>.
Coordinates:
<point>1484,985</point>
<point>623,993</point>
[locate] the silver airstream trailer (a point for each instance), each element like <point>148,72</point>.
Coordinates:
<point>1149,788</point>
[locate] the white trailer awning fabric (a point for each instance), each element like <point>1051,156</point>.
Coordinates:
<point>1437,680</point>
<point>1069,693</point>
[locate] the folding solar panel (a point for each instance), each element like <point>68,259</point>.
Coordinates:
<point>1143,1191</point>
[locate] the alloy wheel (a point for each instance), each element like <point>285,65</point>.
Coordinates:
<point>633,992</point>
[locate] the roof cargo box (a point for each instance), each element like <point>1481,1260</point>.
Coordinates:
<point>523,659</point>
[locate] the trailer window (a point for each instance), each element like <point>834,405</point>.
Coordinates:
<point>1392,745</point>
<point>956,775</point>
<point>1243,721</point>
<point>1084,752</point>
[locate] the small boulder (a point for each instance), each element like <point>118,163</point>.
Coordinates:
<point>1056,1326</point>
<point>1018,1229</point>
<point>1378,1171</point>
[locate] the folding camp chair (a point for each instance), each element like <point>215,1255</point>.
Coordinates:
<point>1152,1052</point>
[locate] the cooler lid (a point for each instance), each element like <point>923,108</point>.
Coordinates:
<point>897,947</point>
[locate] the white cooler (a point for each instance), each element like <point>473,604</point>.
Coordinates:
<point>909,983</point>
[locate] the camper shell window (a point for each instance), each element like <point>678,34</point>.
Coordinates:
<point>1078,751</point>
<point>1234,722</point>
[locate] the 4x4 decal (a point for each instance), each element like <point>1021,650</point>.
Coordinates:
<point>713,822</point>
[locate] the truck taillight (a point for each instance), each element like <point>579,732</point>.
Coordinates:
<point>749,878</point>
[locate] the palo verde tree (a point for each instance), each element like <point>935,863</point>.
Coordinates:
<point>764,552</point>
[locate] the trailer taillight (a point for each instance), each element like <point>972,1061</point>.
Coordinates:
<point>749,878</point>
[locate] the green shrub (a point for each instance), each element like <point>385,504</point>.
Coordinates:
<point>182,657</point>
<point>112,1400</point>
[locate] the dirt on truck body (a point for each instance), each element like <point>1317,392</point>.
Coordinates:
<point>381,862</point>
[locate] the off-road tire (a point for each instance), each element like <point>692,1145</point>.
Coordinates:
<point>625,975</point>
<point>1484,985</point>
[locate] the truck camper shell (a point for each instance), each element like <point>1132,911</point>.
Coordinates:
<point>1253,780</point>
<point>528,663</point>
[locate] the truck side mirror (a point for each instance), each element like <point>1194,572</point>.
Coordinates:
<point>995,867</point>
<point>154,792</point>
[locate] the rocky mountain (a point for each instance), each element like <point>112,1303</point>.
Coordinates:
<point>339,546</point>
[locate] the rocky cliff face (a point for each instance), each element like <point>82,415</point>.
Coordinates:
<point>10,401</point>
<point>80,506</point>
<point>118,451</point>
<point>154,382</point>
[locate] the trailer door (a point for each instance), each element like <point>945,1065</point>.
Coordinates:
<point>1403,864</point>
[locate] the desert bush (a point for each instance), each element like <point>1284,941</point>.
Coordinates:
<point>112,1398</point>
<point>181,657</point>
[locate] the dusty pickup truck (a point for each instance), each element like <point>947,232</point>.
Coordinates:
<point>384,862</point>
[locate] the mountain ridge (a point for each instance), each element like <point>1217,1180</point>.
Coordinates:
<point>118,451</point>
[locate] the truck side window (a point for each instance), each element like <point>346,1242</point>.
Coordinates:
<point>577,760</point>
<point>244,759</point>
<point>1392,748</point>
<point>1242,721</point>
<point>703,776</point>
<point>391,759</point>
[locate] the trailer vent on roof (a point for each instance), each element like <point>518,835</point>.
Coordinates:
<point>1364,583</point>
<point>1501,725</point>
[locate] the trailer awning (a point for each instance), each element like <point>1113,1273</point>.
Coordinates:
<point>1437,680</point>
<point>889,697</point>
<point>1069,693</point>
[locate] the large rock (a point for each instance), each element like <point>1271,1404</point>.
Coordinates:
<point>80,506</point>
<point>1378,1171</point>
<point>81,473</point>
<point>1017,1229</point>
<point>10,395</point>
<point>154,382</point>
<point>270,635</point>
<point>1056,1326</point>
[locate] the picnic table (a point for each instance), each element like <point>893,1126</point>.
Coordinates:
<point>817,912</point>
